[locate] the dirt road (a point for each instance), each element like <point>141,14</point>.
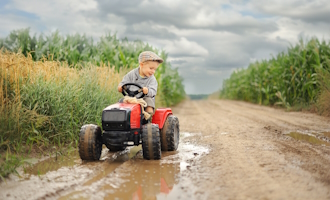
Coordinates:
<point>228,150</point>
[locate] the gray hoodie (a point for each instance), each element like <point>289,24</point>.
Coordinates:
<point>134,77</point>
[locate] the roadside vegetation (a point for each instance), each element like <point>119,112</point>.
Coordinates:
<point>51,85</point>
<point>297,79</point>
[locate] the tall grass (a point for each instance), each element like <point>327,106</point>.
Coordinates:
<point>45,103</point>
<point>292,79</point>
<point>51,99</point>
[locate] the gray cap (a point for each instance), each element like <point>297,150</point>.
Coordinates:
<point>149,56</point>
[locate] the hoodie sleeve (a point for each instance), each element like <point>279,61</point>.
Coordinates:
<point>152,87</point>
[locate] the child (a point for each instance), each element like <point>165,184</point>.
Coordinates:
<point>144,76</point>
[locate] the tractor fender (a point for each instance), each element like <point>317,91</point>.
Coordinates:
<point>160,116</point>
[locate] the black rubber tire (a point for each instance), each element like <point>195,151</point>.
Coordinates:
<point>151,142</point>
<point>115,148</point>
<point>170,134</point>
<point>90,142</point>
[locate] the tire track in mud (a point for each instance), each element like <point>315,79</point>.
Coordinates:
<point>122,175</point>
<point>294,149</point>
<point>107,178</point>
<point>245,154</point>
<point>277,117</point>
<point>55,183</point>
<point>237,156</point>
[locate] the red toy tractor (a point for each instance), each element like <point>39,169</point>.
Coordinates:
<point>124,125</point>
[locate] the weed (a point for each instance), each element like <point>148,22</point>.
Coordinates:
<point>8,164</point>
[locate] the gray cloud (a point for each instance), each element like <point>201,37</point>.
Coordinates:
<point>184,15</point>
<point>138,11</point>
<point>147,29</point>
<point>206,41</point>
<point>315,11</point>
<point>246,26</point>
<point>178,62</point>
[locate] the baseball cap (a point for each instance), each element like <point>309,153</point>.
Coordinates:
<point>149,55</point>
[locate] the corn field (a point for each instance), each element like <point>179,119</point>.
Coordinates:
<point>296,78</point>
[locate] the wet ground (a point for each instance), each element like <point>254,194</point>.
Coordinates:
<point>227,150</point>
<point>120,175</point>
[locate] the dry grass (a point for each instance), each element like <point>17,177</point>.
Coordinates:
<point>323,103</point>
<point>16,68</point>
<point>19,70</point>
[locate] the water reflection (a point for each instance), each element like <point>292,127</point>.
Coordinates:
<point>145,180</point>
<point>135,178</point>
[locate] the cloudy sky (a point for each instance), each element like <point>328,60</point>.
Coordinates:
<point>205,40</point>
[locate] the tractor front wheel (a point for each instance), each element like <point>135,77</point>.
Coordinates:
<point>170,134</point>
<point>90,142</point>
<point>151,142</point>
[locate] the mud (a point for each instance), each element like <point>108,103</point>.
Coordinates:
<point>52,164</point>
<point>227,150</point>
<point>120,175</point>
<point>251,154</point>
<point>327,134</point>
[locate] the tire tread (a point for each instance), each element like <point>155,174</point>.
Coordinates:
<point>90,149</point>
<point>154,140</point>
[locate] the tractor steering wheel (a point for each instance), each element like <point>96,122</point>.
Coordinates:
<point>130,93</point>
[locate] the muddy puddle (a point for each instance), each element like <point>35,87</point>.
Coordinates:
<point>53,164</point>
<point>312,137</point>
<point>120,175</point>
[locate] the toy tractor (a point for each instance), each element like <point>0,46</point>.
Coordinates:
<point>124,125</point>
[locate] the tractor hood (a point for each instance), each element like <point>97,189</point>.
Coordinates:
<point>121,116</point>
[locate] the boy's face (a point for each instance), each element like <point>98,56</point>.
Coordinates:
<point>148,68</point>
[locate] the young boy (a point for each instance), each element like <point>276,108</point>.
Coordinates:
<point>144,76</point>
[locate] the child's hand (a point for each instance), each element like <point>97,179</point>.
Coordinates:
<point>145,90</point>
<point>120,89</point>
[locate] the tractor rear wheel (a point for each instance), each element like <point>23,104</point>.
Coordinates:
<point>151,142</point>
<point>170,134</point>
<point>90,142</point>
